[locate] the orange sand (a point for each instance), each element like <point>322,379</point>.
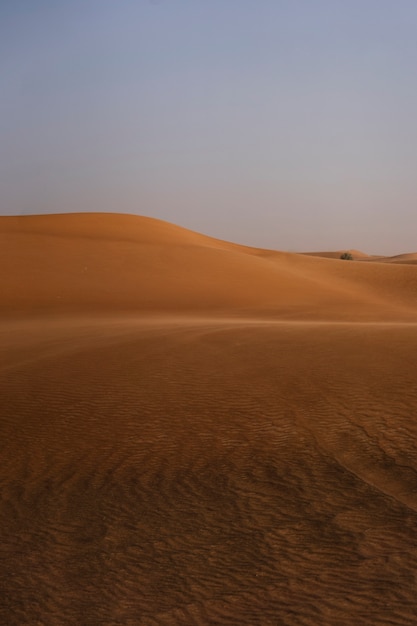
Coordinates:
<point>196,432</point>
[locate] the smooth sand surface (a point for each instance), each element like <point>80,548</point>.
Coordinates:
<point>101,263</point>
<point>194,432</point>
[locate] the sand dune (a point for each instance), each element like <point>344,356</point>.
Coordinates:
<point>105,262</point>
<point>407,258</point>
<point>196,432</point>
<point>356,254</point>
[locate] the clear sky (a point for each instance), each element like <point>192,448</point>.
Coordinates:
<point>289,124</point>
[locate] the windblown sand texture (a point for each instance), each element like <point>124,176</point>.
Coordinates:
<point>194,432</point>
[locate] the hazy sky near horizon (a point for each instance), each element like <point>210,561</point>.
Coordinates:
<point>289,124</point>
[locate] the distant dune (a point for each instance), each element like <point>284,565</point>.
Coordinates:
<point>408,259</point>
<point>110,262</point>
<point>194,432</point>
<point>357,255</point>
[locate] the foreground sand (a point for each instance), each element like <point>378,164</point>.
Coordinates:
<point>217,465</point>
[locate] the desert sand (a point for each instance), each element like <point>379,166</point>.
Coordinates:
<point>195,432</point>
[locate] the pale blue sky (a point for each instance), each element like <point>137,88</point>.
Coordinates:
<point>289,124</point>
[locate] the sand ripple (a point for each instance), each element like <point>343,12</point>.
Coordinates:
<point>194,472</point>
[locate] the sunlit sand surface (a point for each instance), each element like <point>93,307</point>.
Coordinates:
<point>194,432</point>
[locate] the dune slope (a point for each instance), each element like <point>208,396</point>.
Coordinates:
<point>105,262</point>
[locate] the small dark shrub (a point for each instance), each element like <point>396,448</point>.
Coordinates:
<point>346,256</point>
